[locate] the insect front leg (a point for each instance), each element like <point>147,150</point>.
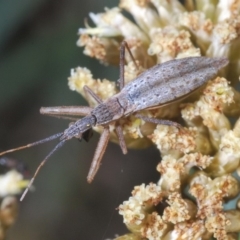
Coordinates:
<point>101,148</point>
<point>66,111</point>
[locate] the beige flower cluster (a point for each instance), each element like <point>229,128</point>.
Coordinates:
<point>200,162</point>
<point>11,184</point>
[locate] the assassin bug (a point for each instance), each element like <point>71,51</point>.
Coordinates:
<point>157,86</point>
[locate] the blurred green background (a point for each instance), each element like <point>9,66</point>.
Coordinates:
<point>37,50</point>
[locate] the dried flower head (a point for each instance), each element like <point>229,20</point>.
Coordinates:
<point>197,160</point>
<point>11,184</point>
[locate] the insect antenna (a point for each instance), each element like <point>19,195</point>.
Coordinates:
<point>59,145</point>
<point>33,144</point>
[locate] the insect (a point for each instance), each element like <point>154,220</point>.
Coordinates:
<point>157,86</point>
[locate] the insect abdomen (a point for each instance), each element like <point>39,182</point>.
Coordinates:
<point>171,80</point>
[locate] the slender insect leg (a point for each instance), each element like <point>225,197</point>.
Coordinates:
<point>122,143</point>
<point>159,121</point>
<point>101,147</point>
<point>66,110</point>
<point>124,45</point>
<point>89,91</point>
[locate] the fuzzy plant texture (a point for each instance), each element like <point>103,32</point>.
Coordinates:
<point>199,171</point>
<point>11,184</point>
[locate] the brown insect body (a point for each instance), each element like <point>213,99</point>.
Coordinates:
<point>156,86</point>
<point>170,81</point>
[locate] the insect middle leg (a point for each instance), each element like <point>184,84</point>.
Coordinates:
<point>101,148</point>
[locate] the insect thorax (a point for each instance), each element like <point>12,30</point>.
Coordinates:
<point>108,111</point>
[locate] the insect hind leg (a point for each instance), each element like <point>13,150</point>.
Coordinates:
<point>159,121</point>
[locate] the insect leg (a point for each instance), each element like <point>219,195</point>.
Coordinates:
<point>122,143</point>
<point>159,121</point>
<point>101,147</point>
<point>124,45</point>
<point>66,110</point>
<point>92,94</point>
